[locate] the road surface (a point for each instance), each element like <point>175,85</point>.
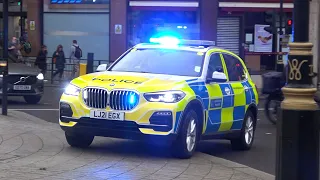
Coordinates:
<point>261,156</point>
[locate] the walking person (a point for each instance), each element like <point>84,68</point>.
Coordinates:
<point>75,55</point>
<point>41,60</point>
<point>60,60</point>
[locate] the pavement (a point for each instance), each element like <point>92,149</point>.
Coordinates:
<point>261,157</point>
<point>31,148</point>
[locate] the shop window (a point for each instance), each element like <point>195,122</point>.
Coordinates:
<point>144,24</point>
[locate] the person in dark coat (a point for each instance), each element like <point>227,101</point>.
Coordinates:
<point>59,59</point>
<point>41,60</point>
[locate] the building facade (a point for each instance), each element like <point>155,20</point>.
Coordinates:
<point>109,27</point>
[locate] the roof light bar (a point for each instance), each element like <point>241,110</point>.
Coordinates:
<point>175,41</point>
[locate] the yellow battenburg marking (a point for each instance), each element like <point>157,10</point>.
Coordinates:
<point>226,119</point>
<point>240,95</point>
<point>200,53</point>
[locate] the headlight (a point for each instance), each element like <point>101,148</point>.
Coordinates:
<point>40,76</point>
<point>166,96</point>
<point>72,90</point>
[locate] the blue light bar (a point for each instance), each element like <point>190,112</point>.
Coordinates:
<point>168,40</point>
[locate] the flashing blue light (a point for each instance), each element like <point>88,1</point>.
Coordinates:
<point>132,99</point>
<point>167,40</point>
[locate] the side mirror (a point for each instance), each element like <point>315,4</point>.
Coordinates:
<point>102,67</point>
<point>218,77</point>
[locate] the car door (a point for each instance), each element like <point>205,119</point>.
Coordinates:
<point>237,79</point>
<point>216,96</point>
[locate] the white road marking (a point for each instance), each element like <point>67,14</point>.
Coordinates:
<point>268,133</point>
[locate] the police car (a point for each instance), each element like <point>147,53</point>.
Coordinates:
<point>169,90</point>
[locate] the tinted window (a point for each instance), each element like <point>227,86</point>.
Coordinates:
<point>161,61</point>
<point>235,68</point>
<point>215,64</point>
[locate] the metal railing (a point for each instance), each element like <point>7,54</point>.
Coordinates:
<point>68,70</point>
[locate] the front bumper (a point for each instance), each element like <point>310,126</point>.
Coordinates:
<point>36,89</point>
<point>146,119</point>
<point>114,129</point>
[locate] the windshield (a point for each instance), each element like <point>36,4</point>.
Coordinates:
<point>161,61</point>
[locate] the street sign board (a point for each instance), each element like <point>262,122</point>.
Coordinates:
<point>118,29</point>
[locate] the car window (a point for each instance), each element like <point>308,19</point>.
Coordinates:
<point>161,61</point>
<point>235,69</point>
<point>215,64</point>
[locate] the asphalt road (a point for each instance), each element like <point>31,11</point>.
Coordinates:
<point>261,156</point>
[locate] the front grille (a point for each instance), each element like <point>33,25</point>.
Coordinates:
<point>118,99</point>
<point>16,79</point>
<point>95,98</point>
<point>123,99</point>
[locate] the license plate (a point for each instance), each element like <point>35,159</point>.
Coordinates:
<point>101,114</point>
<point>22,87</point>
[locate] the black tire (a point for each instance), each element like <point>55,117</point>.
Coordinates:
<point>270,113</point>
<point>179,146</point>
<point>240,143</point>
<point>78,140</point>
<point>32,99</point>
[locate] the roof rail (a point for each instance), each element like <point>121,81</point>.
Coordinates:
<point>204,43</point>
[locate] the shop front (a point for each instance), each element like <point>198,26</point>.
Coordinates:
<point>86,22</point>
<point>259,48</point>
<point>141,20</point>
<point>146,20</point>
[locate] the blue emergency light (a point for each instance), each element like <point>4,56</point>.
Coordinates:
<point>169,40</point>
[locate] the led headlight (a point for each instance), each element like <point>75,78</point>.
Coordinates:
<point>165,96</point>
<point>40,76</point>
<point>72,90</point>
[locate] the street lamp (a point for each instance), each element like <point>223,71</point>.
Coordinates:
<point>298,127</point>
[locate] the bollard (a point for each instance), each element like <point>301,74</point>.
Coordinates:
<point>90,63</point>
<point>298,125</point>
<point>82,69</point>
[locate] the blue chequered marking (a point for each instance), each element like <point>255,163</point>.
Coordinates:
<point>200,89</point>
<point>238,116</point>
<point>251,93</point>
<point>228,95</point>
<point>247,92</point>
<point>214,122</point>
<point>215,103</point>
<point>178,114</point>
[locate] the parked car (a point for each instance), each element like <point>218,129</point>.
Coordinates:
<point>24,81</point>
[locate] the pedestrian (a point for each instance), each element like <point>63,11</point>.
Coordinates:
<point>13,49</point>
<point>59,59</point>
<point>41,60</point>
<point>75,55</point>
